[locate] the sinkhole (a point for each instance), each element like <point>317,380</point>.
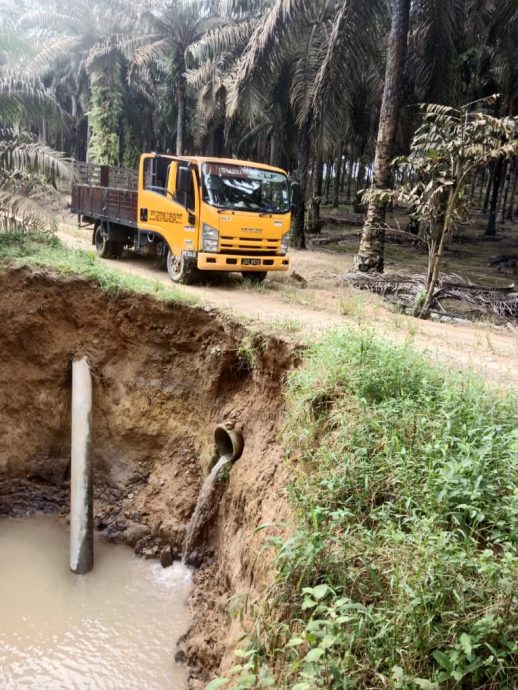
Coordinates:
<point>164,376</point>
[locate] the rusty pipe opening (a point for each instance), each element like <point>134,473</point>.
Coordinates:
<point>229,442</point>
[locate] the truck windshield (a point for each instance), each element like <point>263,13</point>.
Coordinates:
<point>244,188</point>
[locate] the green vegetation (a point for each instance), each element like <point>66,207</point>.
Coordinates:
<point>326,90</point>
<point>450,146</point>
<point>403,569</point>
<point>38,250</point>
<point>106,113</point>
<point>248,350</point>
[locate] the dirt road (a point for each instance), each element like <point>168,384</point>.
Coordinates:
<point>281,304</point>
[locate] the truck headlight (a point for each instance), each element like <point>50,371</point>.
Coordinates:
<point>209,238</point>
<point>285,243</point>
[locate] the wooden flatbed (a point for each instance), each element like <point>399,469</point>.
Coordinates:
<point>105,193</point>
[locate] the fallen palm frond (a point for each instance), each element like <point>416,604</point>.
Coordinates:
<point>356,219</point>
<point>406,290</point>
<point>392,235</point>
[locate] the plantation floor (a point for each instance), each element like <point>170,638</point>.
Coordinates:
<point>282,305</point>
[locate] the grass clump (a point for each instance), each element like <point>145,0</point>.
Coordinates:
<point>403,570</point>
<point>47,251</point>
<point>248,351</point>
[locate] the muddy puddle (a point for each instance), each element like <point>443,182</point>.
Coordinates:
<point>116,627</point>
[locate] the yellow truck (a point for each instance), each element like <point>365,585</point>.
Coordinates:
<point>194,214</point>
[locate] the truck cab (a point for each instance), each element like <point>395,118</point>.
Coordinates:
<point>196,214</point>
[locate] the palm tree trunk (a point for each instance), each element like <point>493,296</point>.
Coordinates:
<point>327,186</point>
<point>316,195</point>
<point>180,121</point>
<point>44,135</point>
<point>497,178</point>
<point>338,174</point>
<point>488,189</point>
<point>344,172</point>
<point>274,149</point>
<point>88,137</point>
<point>304,148</point>
<point>360,178</point>
<point>505,193</point>
<point>510,209</point>
<point>372,245</point>
<point>473,189</point>
<point>481,190</point>
<point>105,112</point>
<point>350,176</point>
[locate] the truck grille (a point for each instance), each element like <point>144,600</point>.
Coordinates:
<point>251,245</point>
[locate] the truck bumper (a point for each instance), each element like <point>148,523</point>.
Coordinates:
<point>231,262</point>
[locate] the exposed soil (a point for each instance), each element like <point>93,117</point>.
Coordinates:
<point>164,375</point>
<point>289,307</point>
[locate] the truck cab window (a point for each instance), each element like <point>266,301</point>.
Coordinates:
<point>245,188</point>
<point>186,199</point>
<point>155,174</point>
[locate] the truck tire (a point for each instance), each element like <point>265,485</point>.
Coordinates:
<point>106,248</point>
<point>180,269</point>
<point>254,276</point>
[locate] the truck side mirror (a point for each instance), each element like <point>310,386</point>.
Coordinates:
<point>295,194</point>
<point>184,180</point>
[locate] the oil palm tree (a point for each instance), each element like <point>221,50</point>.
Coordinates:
<point>213,59</point>
<point>170,32</point>
<point>104,35</point>
<point>502,63</point>
<point>317,41</point>
<point>444,36</point>
<point>28,168</point>
<point>371,251</point>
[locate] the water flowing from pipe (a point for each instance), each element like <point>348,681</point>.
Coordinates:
<point>206,507</point>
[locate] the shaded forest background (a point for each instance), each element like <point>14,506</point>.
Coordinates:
<point>295,83</point>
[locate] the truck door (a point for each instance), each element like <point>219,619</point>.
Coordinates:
<point>162,209</point>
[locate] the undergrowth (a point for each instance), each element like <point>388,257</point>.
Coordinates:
<point>403,569</point>
<point>40,250</point>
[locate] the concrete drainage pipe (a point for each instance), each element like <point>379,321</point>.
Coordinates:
<point>229,442</point>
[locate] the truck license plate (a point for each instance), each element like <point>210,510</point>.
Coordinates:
<point>251,262</point>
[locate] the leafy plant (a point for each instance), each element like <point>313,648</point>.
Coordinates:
<point>449,147</point>
<point>401,572</point>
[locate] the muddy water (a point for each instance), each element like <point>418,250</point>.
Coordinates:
<point>113,629</point>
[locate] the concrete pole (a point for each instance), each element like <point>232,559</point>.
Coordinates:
<point>81,484</point>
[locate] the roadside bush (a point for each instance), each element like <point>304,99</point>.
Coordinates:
<point>403,571</point>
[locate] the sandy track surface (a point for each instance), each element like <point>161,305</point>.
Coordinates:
<point>286,307</point>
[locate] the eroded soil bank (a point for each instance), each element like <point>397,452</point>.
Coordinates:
<point>164,375</point>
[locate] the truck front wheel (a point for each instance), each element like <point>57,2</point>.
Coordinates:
<point>106,248</point>
<point>180,269</point>
<point>254,276</point>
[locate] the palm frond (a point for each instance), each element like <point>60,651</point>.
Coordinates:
<point>435,40</point>
<point>53,20</point>
<point>267,49</point>
<point>356,34</point>
<point>25,211</point>
<point>25,99</point>
<point>48,53</point>
<point>305,71</point>
<point>230,36</point>
<point>33,158</point>
<point>151,51</point>
<point>28,170</point>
